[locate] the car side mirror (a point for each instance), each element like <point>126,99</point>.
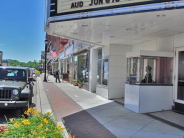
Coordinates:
<point>30,79</point>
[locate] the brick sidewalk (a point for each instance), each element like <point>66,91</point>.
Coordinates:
<point>78,121</point>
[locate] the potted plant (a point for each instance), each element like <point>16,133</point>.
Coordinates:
<point>79,84</point>
<point>75,83</point>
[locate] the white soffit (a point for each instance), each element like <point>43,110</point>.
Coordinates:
<point>149,53</point>
<point>126,29</point>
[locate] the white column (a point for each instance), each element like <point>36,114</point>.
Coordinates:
<point>93,70</point>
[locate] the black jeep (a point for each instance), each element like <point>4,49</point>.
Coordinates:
<point>16,88</point>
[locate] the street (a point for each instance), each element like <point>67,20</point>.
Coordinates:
<point>12,113</point>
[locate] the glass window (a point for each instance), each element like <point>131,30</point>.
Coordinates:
<point>105,71</point>
<point>12,74</point>
<point>180,94</point>
<point>75,67</point>
<point>150,70</point>
<point>83,65</point>
<point>99,67</point>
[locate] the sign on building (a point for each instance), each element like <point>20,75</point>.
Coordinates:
<point>63,7</point>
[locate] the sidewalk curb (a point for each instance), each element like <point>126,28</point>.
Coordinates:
<point>44,106</point>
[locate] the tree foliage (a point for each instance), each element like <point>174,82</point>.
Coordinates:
<point>30,64</point>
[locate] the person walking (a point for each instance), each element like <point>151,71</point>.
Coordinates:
<point>57,76</point>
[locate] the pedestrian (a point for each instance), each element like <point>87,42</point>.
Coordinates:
<point>57,75</point>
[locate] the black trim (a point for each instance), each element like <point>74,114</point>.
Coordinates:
<point>165,121</point>
<point>179,107</point>
<point>106,7</point>
<point>150,84</point>
<point>119,103</point>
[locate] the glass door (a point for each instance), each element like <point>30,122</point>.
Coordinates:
<point>179,76</point>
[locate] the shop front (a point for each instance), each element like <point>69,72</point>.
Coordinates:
<point>81,68</point>
<point>155,26</point>
<point>61,63</point>
<point>67,61</point>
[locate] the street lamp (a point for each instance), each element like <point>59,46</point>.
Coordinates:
<point>46,42</point>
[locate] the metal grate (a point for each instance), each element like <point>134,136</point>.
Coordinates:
<point>5,94</point>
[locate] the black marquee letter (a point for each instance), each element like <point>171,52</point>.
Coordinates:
<point>91,3</point>
<point>100,1</point>
<point>81,3</point>
<point>76,4</point>
<point>107,1</point>
<point>95,2</point>
<point>72,5</point>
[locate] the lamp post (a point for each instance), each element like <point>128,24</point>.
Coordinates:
<point>46,41</point>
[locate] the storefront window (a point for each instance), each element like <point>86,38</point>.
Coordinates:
<point>69,66</point>
<point>75,68</point>
<point>83,67</point>
<point>61,67</point>
<point>149,70</point>
<point>99,67</point>
<point>105,71</point>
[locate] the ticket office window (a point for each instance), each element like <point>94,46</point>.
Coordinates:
<point>149,70</point>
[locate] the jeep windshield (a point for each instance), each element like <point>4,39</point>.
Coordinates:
<point>12,74</point>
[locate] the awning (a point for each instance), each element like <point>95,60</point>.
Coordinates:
<point>67,56</point>
<point>81,52</point>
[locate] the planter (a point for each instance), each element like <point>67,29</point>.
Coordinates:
<point>75,83</point>
<point>79,85</point>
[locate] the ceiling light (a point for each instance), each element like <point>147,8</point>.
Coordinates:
<point>84,25</point>
<point>60,26</point>
<point>160,15</point>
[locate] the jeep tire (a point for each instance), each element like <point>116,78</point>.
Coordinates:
<point>30,98</point>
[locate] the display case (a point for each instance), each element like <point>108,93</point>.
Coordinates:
<point>150,70</point>
<point>149,80</point>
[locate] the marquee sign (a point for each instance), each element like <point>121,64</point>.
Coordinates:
<point>63,7</point>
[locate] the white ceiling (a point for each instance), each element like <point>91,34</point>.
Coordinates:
<point>127,29</point>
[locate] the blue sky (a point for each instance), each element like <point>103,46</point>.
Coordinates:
<point>22,29</point>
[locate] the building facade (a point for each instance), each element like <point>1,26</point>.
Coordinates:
<point>130,43</point>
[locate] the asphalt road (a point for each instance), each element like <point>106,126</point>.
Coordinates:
<point>12,113</point>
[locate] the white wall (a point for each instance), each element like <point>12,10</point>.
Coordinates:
<point>117,70</point>
<point>166,44</point>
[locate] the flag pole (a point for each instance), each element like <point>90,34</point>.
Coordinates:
<point>46,41</point>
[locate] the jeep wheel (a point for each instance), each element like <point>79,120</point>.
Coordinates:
<point>30,98</point>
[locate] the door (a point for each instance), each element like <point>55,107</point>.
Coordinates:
<point>179,76</point>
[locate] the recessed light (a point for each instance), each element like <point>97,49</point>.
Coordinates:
<point>60,26</point>
<point>129,29</point>
<point>160,15</point>
<point>84,25</point>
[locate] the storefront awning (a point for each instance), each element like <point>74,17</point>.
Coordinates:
<point>67,56</point>
<point>81,52</point>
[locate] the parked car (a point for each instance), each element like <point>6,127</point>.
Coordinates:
<point>16,88</point>
<point>32,73</point>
